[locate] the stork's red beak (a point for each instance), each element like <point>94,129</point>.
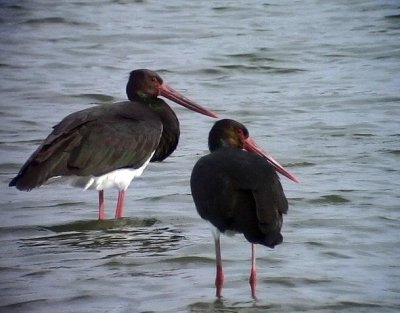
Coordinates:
<point>251,146</point>
<point>170,93</point>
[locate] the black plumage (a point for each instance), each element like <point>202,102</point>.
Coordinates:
<point>95,141</point>
<point>237,189</point>
<point>91,143</point>
<point>240,191</point>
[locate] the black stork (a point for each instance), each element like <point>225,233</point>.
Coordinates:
<point>236,189</point>
<point>108,145</point>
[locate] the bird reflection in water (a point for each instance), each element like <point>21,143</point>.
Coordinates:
<point>124,236</point>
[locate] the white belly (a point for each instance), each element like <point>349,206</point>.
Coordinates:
<point>119,179</point>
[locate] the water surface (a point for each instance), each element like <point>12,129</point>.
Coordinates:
<point>316,82</point>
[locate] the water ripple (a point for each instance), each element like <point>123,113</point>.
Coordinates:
<point>55,20</point>
<point>144,236</point>
<point>330,199</point>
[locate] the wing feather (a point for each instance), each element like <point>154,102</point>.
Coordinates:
<point>93,142</point>
<point>235,189</point>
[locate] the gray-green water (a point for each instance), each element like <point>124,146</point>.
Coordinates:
<point>316,82</point>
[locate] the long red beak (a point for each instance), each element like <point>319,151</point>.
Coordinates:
<point>251,146</point>
<point>175,96</point>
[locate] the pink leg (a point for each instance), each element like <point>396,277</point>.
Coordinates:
<point>253,274</point>
<point>219,279</point>
<point>101,205</point>
<point>119,212</point>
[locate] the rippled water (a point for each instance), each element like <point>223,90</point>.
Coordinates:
<point>316,82</point>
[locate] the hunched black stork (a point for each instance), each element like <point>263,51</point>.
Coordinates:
<point>108,145</point>
<point>236,188</point>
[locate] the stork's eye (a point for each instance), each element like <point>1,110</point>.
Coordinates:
<point>240,132</point>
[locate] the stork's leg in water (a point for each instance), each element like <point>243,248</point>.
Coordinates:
<point>253,274</point>
<point>119,212</point>
<point>101,205</point>
<point>219,278</point>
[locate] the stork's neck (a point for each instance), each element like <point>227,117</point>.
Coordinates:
<point>170,135</point>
